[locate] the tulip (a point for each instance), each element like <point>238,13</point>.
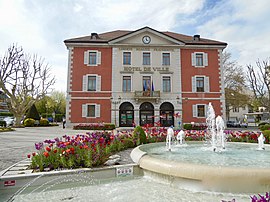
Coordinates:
<point>46,154</point>
<point>29,156</point>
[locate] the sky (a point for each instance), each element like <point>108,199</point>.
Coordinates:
<point>41,26</point>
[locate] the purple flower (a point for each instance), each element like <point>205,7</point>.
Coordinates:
<point>39,145</point>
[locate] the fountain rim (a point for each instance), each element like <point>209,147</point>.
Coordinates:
<point>210,175</point>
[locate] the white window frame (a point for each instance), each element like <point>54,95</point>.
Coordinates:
<point>195,110</point>
<point>163,58</point>
<point>150,58</point>
<point>87,55</point>
<point>206,84</point>
<point>123,75</point>
<point>85,110</point>
<point>85,83</point>
<point>130,57</point>
<point>205,59</point>
<point>170,83</point>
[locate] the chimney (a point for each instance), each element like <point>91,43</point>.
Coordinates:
<point>196,37</point>
<point>94,36</point>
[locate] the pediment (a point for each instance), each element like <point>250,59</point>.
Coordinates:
<point>142,37</point>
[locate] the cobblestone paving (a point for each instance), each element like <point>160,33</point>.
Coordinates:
<point>15,145</point>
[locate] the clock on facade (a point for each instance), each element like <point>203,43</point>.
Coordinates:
<point>146,39</point>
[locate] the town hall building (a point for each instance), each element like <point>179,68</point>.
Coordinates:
<point>143,77</point>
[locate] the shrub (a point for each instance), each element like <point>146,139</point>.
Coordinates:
<point>29,122</point>
<point>266,134</point>
<point>140,134</point>
<point>262,123</point>
<point>128,143</point>
<point>188,126</point>
<point>6,114</point>
<point>44,122</point>
<point>33,113</point>
<point>95,126</point>
<point>3,123</point>
<point>264,127</point>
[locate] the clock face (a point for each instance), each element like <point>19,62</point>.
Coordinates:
<point>146,39</point>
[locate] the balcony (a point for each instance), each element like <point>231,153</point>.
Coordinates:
<point>147,95</point>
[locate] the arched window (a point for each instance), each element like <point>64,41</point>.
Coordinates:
<point>126,116</point>
<point>146,114</point>
<point>166,114</point>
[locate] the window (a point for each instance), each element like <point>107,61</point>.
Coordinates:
<point>92,58</point>
<point>200,110</point>
<point>165,58</point>
<point>235,109</point>
<point>126,83</point>
<point>146,59</point>
<point>199,59</point>
<point>91,83</point>
<point>166,84</point>
<point>126,58</point>
<point>200,84</point>
<point>91,111</point>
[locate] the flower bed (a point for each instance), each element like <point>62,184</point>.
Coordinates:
<point>93,149</point>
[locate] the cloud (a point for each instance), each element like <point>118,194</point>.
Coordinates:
<point>243,25</point>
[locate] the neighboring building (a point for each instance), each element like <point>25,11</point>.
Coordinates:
<point>143,77</point>
<point>3,102</point>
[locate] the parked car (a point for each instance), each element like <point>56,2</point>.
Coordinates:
<point>9,121</point>
<point>243,125</point>
<point>233,124</point>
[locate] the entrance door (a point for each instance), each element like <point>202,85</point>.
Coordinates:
<point>126,115</point>
<point>166,114</point>
<point>146,114</point>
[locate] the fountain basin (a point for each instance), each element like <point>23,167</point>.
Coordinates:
<point>203,176</point>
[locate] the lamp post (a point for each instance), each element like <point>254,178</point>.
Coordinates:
<point>115,102</point>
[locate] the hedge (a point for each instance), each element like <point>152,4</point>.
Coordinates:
<point>6,114</point>
<point>94,126</point>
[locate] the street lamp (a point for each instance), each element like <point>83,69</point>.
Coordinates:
<point>115,102</point>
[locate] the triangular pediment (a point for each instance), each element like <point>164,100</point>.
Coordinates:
<point>146,36</point>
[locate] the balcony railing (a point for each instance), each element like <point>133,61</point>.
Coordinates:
<point>147,95</point>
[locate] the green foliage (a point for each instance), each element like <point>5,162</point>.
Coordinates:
<point>33,113</point>
<point>262,123</point>
<point>128,143</point>
<point>140,135</point>
<point>95,126</point>
<point>264,127</point>
<point>266,134</point>
<point>3,123</point>
<point>44,122</point>
<point>29,122</point>
<point>6,114</point>
<point>188,126</point>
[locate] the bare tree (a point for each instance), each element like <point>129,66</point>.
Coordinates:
<point>259,81</point>
<point>235,84</point>
<point>24,79</point>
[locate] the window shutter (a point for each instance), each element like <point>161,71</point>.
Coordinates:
<point>194,110</point>
<point>98,57</point>
<point>84,110</point>
<point>86,57</point>
<point>193,59</point>
<point>97,110</point>
<point>205,59</point>
<point>84,84</point>
<point>193,79</point>
<point>206,84</point>
<point>98,80</point>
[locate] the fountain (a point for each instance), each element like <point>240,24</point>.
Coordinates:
<point>232,167</point>
<point>170,135</point>
<point>180,138</point>
<point>261,140</point>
